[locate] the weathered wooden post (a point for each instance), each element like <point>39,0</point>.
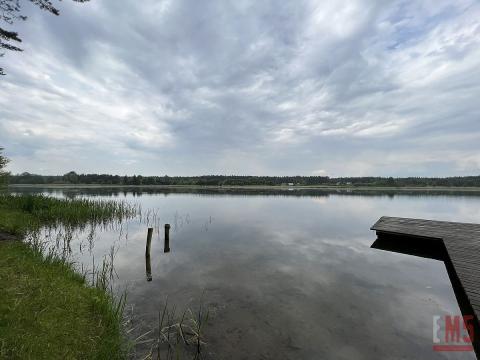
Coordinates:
<point>148,268</point>
<point>148,265</point>
<point>167,239</point>
<point>149,241</point>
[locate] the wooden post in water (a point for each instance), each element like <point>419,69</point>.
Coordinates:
<point>149,241</point>
<point>167,239</point>
<point>148,265</point>
<point>148,268</point>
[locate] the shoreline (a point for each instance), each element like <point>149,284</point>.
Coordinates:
<point>251,187</point>
<point>84,314</point>
<point>33,276</point>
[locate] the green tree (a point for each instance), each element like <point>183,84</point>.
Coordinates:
<point>11,11</point>
<point>3,163</point>
<point>71,177</point>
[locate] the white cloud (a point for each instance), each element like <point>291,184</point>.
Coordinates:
<point>353,87</point>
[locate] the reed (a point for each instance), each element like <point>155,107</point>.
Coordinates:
<point>73,212</point>
<point>22,213</point>
<point>37,274</point>
<point>181,335</point>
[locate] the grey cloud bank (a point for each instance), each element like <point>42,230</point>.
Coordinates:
<point>246,87</point>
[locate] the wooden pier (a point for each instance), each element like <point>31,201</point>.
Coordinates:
<point>457,244</point>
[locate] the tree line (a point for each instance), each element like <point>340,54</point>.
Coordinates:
<point>236,180</point>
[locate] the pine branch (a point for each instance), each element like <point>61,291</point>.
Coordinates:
<point>9,47</point>
<point>9,35</point>
<point>46,5</point>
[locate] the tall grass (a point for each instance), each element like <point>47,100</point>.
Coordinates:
<point>100,276</point>
<point>27,215</point>
<point>40,210</point>
<point>57,315</point>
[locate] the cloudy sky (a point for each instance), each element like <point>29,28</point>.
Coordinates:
<point>154,87</point>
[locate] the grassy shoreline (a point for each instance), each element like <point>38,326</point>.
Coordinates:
<point>47,309</point>
<point>251,187</point>
<point>48,312</point>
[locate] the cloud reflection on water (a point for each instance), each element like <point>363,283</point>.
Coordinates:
<point>289,277</point>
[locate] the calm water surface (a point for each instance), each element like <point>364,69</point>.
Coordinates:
<point>285,276</point>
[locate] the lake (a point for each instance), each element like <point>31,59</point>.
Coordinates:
<point>285,275</point>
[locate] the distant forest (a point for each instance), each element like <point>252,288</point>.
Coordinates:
<point>233,180</point>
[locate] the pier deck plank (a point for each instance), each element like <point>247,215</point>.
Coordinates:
<point>462,243</point>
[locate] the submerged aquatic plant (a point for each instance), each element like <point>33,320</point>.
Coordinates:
<point>181,337</point>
